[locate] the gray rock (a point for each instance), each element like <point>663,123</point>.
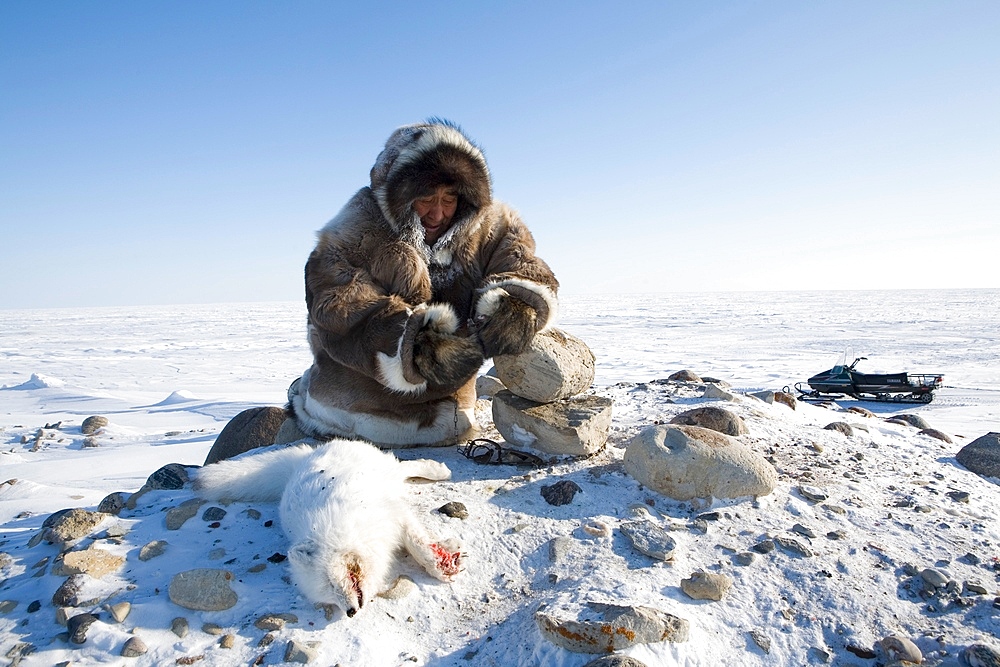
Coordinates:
<point>615,661</point>
<point>213,514</point>
<point>605,628</point>
<point>92,425</point>
<point>559,547</point>
<point>69,525</point>
<point>916,421</point>
<point>974,588</point>
<point>812,493</point>
<point>213,629</point>
<point>804,530</point>
<point>176,516</point>
<point>982,455</point>
<point>119,611</point>
<point>934,578</point>
<point>290,432</point>
<point>560,493</point>
<point>792,545</point>
<point>488,385</point>
<point>77,626</point>
<point>557,365</point>
<point>299,652</point>
<point>455,510</point>
<point>980,655</point>
<point>761,639</point>
<point>7,606</point>
<point>134,647</point>
<point>936,434</point>
<point>250,429</point>
<point>766,396</point>
<point>713,418</point>
<point>74,592</point>
<point>180,627</point>
<point>203,589</point>
<point>684,376</point>
<point>113,503</point>
<point>716,393</point>
<point>785,398</point>
<point>170,477</point>
<point>152,549</point>
<point>896,647</point>
<point>840,427</point>
<point>273,622</point>
<point>649,539</point>
<point>706,585</point>
<point>94,562</point>
<point>743,558</point>
<point>401,588</point>
<point>573,426</point>
<point>685,462</point>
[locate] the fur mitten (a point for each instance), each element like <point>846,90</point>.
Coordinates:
<point>444,358</point>
<point>508,327</point>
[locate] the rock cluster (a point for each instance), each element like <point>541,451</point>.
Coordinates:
<point>542,406</point>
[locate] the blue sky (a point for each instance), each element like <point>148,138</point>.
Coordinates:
<point>187,152</point>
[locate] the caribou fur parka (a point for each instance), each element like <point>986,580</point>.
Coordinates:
<point>375,290</point>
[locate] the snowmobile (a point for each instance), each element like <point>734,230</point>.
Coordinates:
<point>892,387</point>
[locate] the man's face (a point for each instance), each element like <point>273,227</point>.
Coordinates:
<point>435,212</point>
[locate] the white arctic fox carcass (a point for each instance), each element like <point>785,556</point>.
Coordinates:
<point>344,510</point>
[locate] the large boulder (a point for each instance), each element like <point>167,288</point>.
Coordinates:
<point>982,455</point>
<point>557,365</point>
<point>250,429</point>
<point>713,418</point>
<point>576,426</point>
<point>605,628</point>
<point>685,462</point>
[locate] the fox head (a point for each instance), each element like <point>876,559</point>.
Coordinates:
<point>340,579</point>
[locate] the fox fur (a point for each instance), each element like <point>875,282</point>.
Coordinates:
<point>345,512</point>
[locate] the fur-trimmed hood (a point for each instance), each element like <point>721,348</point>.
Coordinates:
<point>418,158</point>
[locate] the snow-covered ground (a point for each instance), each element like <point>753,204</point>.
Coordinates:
<point>169,378</point>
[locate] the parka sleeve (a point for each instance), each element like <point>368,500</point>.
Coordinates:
<point>361,323</point>
<point>512,268</point>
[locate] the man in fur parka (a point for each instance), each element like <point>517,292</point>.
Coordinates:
<point>417,280</point>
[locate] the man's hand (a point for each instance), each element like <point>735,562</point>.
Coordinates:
<point>446,359</point>
<point>509,328</point>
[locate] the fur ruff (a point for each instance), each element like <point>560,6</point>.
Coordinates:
<point>345,511</point>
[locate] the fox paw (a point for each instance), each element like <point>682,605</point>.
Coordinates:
<point>448,559</point>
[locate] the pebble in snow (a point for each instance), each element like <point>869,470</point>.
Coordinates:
<point>560,493</point>
<point>152,550</point>
<point>300,652</point>
<point>649,539</point>
<point>706,586</point>
<point>179,626</point>
<point>133,648</point>
<point>455,510</point>
<point>897,648</point>
<point>203,589</point>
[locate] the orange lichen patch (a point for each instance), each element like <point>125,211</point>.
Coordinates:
<point>574,636</point>
<point>611,630</point>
